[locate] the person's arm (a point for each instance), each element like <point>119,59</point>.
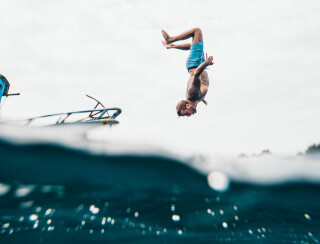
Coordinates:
<point>184,46</point>
<point>204,101</point>
<point>201,67</point>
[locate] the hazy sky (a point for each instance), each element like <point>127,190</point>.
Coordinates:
<point>264,86</point>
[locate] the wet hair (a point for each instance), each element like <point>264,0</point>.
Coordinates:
<point>181,106</point>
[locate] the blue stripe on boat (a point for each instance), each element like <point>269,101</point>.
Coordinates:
<point>2,88</point>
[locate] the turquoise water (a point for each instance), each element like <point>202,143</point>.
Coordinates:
<point>50,193</point>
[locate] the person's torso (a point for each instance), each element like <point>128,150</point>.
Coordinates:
<point>194,92</point>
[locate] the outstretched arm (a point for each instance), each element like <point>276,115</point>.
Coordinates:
<point>185,46</point>
<point>201,67</point>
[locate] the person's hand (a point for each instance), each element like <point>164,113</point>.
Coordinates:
<point>209,61</point>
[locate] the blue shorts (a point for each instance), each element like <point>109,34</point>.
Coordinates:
<point>196,56</point>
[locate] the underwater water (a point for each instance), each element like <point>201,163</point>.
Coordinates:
<point>51,193</point>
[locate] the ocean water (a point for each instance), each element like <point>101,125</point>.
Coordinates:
<point>72,191</point>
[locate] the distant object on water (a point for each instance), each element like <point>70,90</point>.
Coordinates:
<point>313,149</point>
<point>263,153</point>
<point>4,88</point>
<point>98,116</point>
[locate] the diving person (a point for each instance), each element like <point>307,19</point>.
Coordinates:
<point>198,82</point>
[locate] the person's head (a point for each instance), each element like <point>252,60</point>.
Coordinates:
<point>184,108</point>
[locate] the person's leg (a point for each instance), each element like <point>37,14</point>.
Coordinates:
<point>196,33</point>
<point>184,46</point>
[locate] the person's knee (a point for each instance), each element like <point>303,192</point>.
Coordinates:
<point>198,30</point>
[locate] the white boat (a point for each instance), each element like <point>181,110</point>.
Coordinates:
<point>96,115</point>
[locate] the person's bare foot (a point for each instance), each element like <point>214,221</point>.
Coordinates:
<point>168,46</point>
<point>166,37</point>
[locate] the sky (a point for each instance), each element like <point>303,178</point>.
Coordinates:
<point>264,85</point>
